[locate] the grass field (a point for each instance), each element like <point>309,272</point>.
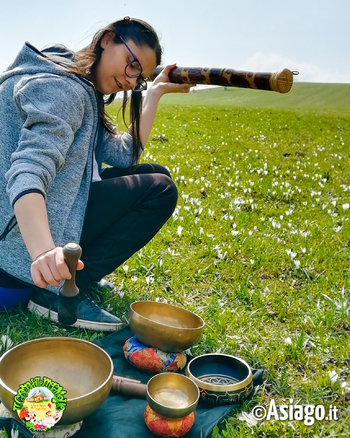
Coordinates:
<point>310,96</point>
<point>258,245</point>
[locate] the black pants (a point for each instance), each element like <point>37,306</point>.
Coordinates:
<point>125,210</point>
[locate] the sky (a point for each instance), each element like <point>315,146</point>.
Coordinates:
<point>309,36</point>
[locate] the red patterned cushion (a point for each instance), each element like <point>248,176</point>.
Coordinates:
<point>167,427</point>
<point>152,359</point>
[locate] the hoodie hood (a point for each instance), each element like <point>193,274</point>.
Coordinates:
<point>54,59</point>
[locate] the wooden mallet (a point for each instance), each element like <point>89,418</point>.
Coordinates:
<point>68,300</point>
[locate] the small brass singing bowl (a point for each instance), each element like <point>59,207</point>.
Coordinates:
<point>172,395</point>
<point>165,326</point>
<point>221,378</point>
<point>83,369</point>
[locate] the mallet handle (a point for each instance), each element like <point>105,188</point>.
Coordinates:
<point>281,81</point>
<point>129,387</point>
<point>68,300</point>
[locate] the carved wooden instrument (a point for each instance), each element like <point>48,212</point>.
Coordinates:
<point>281,82</point>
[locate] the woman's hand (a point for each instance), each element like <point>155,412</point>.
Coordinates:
<point>163,85</point>
<point>48,265</point>
<point>50,268</point>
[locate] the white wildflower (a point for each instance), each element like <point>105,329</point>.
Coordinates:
<point>179,230</point>
<point>345,206</point>
<point>14,433</point>
<point>149,279</point>
<point>291,253</point>
<point>6,343</point>
<point>345,387</point>
<point>288,341</point>
<point>297,264</point>
<point>248,418</point>
<point>333,376</point>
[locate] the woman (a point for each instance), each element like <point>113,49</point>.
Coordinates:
<point>54,137</point>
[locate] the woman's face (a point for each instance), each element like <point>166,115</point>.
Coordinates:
<point>110,74</point>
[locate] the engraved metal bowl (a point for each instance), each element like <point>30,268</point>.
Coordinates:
<point>221,378</point>
<point>165,326</point>
<point>172,395</point>
<point>83,369</point>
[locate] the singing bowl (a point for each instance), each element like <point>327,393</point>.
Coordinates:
<point>221,378</point>
<point>165,326</point>
<point>83,369</point>
<point>172,395</point>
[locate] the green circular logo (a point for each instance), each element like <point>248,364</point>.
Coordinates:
<point>40,403</point>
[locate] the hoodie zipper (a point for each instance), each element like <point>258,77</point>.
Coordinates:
<point>10,226</point>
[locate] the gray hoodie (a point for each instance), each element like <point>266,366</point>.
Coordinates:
<point>49,131</point>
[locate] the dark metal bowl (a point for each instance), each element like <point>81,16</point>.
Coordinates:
<point>221,378</point>
<point>83,369</point>
<point>172,395</point>
<point>165,326</point>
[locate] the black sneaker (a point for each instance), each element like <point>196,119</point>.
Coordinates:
<point>90,316</point>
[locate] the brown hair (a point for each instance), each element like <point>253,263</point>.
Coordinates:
<point>87,59</point>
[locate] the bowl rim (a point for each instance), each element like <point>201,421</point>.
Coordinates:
<point>190,408</point>
<point>199,327</point>
<point>61,338</point>
<point>220,388</point>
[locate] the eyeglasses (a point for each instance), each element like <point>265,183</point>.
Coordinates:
<point>133,69</point>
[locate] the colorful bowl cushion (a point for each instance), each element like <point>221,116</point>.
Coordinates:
<point>152,359</point>
<point>167,427</point>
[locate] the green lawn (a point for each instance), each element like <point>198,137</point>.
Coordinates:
<point>258,244</point>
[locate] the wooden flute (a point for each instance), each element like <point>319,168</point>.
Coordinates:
<point>281,81</point>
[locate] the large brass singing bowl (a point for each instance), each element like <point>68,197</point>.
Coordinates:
<point>83,369</point>
<point>165,326</point>
<point>172,395</point>
<point>221,378</point>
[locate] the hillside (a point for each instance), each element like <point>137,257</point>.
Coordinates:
<point>303,95</point>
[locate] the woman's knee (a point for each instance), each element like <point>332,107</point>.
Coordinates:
<point>156,168</point>
<point>168,190</point>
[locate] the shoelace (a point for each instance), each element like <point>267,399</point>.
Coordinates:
<point>89,300</point>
